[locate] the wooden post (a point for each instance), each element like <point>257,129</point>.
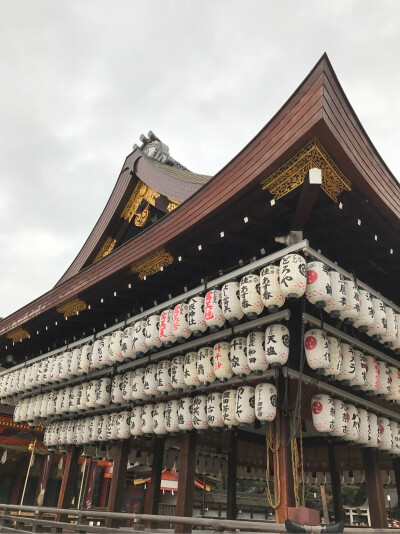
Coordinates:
<point>338,509</point>
<point>44,476</point>
<point>155,482</point>
<point>376,497</point>
<point>89,486</point>
<point>103,492</point>
<point>324,504</point>
<point>283,474</point>
<point>118,479</point>
<point>231,482</point>
<point>187,467</point>
<point>396,468</point>
<point>69,478</point>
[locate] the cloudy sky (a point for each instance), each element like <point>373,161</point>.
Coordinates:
<point>80,80</point>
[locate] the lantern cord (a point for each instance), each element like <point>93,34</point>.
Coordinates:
<point>273,447</point>
<point>297,408</point>
<point>298,469</point>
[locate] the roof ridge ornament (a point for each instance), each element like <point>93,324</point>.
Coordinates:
<point>292,173</point>
<point>156,149</point>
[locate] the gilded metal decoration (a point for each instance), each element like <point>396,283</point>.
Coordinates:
<point>172,204</point>
<point>71,307</point>
<point>152,263</point>
<point>141,218</point>
<point>108,247</point>
<point>292,173</point>
<point>18,334</point>
<point>141,192</point>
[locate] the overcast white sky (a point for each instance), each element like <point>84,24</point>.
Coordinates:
<point>80,80</point>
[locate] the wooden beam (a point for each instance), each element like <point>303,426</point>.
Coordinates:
<point>115,497</point>
<point>338,509</point>
<point>187,468</point>
<point>70,475</point>
<point>376,497</point>
<point>89,486</point>
<point>308,196</point>
<point>155,483</point>
<point>231,482</point>
<point>44,476</point>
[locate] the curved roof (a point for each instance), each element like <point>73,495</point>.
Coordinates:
<point>318,108</point>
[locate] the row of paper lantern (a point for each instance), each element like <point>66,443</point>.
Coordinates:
<point>216,410</point>
<point>346,477</point>
<point>241,356</point>
<point>340,361</point>
<point>357,425</point>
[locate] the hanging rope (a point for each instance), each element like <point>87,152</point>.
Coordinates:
<point>273,445</point>
<point>298,468</point>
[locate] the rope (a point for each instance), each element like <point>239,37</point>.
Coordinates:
<point>298,469</point>
<point>273,446</point>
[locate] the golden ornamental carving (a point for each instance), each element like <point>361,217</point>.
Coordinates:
<point>18,334</point>
<point>71,307</point>
<point>108,247</point>
<point>141,192</point>
<point>152,263</point>
<point>293,172</point>
<point>141,218</point>
<point>172,204</point>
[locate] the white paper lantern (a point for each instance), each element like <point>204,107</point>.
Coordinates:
<point>214,411</point>
<point>127,350</point>
<point>71,431</point>
<point>65,400</point>
<point>135,424</point>
<point>222,362</point>
<point>199,412</point>
<point>164,385</point>
<point>127,384</point>
<point>81,400</point>
<point>205,365</point>
<point>363,436</point>
<point>245,405</point>
<point>74,362</point>
<point>239,363</point>
<point>353,424</point>
<point>39,375</point>
<point>152,332</point>
<point>139,338</point>
<point>379,326</point>
<point>112,427</point>
<point>115,348</point>
<point>123,425</point>
<point>213,310</point>
<point>146,419</point>
<point>94,421</point>
<point>395,429</point>
<point>265,402</point>
<point>171,416</point>
<point>366,318</point>
<point>86,430</point>
<point>335,357</point>
<point>159,427</point>
<point>372,375</point>
<point>256,352</point>
<point>180,326</point>
<point>390,336</point>
<point>317,349</point>
<point>166,332</point>
<point>178,373</point>
<point>336,302</point>
<point>323,412</point>
<point>37,403</point>
<point>384,380</point>
<point>103,391</point>
<point>396,343</point>
<point>385,434</point>
<point>347,372</point>
<point>62,362</point>
<point>102,427</point>
<point>293,276</point>
<point>250,297</point>
<point>185,414</point>
<point>360,370</point>
<point>85,356</point>
<point>116,389</point>
<point>340,419</point>
<point>229,408</point>
<point>98,354</point>
<point>17,409</point>
<point>374,436</point>
<point>63,433</point>
<point>319,289</point>
<point>190,370</point>
<point>196,319</point>
<point>150,380</point>
<point>138,392</point>
<point>231,309</point>
<point>91,394</point>
<point>394,384</point>
<point>51,407</point>
<point>352,309</point>
<point>271,293</point>
<point>73,399</point>
<point>277,340</point>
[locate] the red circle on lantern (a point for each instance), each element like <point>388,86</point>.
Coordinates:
<point>347,417</point>
<point>312,277</point>
<point>317,407</point>
<point>381,429</point>
<point>311,343</point>
<point>366,368</point>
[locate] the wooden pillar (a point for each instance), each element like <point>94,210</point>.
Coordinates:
<point>44,476</point>
<point>103,492</point>
<point>376,497</point>
<point>16,489</point>
<point>69,478</point>
<point>396,468</point>
<point>338,509</point>
<point>155,482</point>
<point>283,474</point>
<point>231,482</point>
<point>118,478</point>
<point>187,468</point>
<point>89,486</point>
